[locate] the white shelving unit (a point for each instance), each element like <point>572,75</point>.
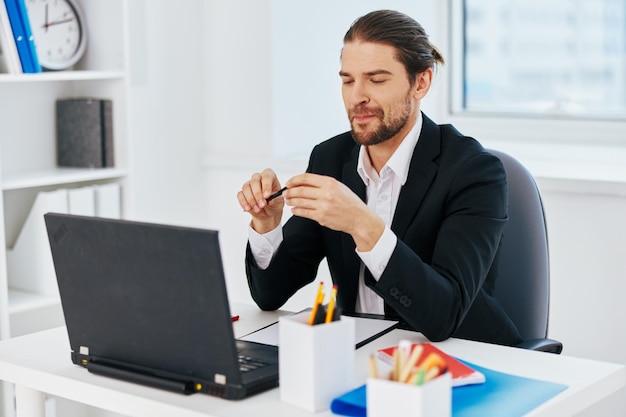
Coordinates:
<point>28,149</point>
<point>28,156</point>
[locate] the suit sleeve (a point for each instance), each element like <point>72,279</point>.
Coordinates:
<point>293,266</point>
<point>434,295</point>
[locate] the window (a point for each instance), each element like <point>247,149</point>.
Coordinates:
<point>538,57</point>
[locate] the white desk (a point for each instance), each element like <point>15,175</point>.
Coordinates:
<point>40,363</point>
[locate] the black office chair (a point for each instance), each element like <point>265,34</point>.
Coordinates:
<point>523,285</point>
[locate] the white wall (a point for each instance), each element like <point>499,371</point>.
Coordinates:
<point>167,111</point>
<point>222,106</point>
<point>237,77</point>
<point>587,233</point>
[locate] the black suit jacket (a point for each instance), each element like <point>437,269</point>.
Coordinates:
<point>449,221</point>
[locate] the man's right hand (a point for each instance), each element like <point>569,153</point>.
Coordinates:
<point>253,199</point>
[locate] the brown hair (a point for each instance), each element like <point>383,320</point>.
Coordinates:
<point>402,32</point>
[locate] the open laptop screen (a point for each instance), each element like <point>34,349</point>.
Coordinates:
<point>153,296</point>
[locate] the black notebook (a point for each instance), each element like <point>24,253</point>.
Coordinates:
<point>147,303</point>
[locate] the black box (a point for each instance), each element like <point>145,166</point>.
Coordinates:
<point>84,132</point>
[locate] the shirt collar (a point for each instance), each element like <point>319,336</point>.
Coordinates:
<point>399,161</point>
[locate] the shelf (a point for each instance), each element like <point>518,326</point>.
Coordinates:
<point>23,301</point>
<point>62,76</point>
<point>28,168</point>
<point>58,176</point>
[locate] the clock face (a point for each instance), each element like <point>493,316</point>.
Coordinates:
<point>57,27</point>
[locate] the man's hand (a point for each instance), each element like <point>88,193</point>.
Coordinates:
<point>332,204</point>
<point>266,216</point>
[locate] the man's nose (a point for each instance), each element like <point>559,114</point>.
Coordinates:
<point>358,94</point>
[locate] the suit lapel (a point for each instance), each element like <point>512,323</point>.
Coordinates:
<point>351,260</point>
<point>422,172</point>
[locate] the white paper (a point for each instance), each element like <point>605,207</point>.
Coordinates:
<point>365,328</point>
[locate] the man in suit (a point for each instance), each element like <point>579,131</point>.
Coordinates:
<point>408,214</point>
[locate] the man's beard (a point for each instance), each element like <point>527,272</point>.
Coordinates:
<point>386,130</point>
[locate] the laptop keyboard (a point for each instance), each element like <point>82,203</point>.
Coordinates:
<point>247,364</point>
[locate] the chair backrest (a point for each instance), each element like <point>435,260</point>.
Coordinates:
<point>523,286</point>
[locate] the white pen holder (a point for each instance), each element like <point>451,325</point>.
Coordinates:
<point>390,398</point>
<point>316,363</point>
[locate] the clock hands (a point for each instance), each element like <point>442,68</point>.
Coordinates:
<point>47,24</point>
<point>56,22</point>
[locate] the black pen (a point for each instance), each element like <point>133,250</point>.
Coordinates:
<point>276,194</point>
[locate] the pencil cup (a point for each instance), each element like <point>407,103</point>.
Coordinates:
<point>390,398</point>
<point>316,363</point>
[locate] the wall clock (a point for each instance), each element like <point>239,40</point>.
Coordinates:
<point>59,30</point>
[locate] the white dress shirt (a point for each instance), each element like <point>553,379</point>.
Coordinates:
<point>383,191</point>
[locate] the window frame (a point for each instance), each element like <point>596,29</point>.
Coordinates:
<point>528,127</point>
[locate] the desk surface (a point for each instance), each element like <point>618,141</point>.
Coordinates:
<point>41,362</point>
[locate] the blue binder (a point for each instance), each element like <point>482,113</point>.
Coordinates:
<point>500,395</point>
<point>24,39</point>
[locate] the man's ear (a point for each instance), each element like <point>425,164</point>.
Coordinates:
<point>422,84</point>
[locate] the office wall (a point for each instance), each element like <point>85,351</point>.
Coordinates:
<point>587,234</point>
<point>167,111</point>
<point>201,128</point>
<point>238,82</point>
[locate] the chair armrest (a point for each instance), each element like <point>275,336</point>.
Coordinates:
<point>542,345</point>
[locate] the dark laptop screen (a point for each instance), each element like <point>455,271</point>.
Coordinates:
<point>144,294</point>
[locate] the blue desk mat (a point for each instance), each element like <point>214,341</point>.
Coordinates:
<point>500,395</point>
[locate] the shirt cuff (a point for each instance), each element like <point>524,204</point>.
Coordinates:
<point>263,246</point>
<point>376,260</point>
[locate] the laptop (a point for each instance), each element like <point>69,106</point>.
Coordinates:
<point>147,303</point>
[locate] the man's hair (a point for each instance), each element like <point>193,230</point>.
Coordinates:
<point>402,32</point>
